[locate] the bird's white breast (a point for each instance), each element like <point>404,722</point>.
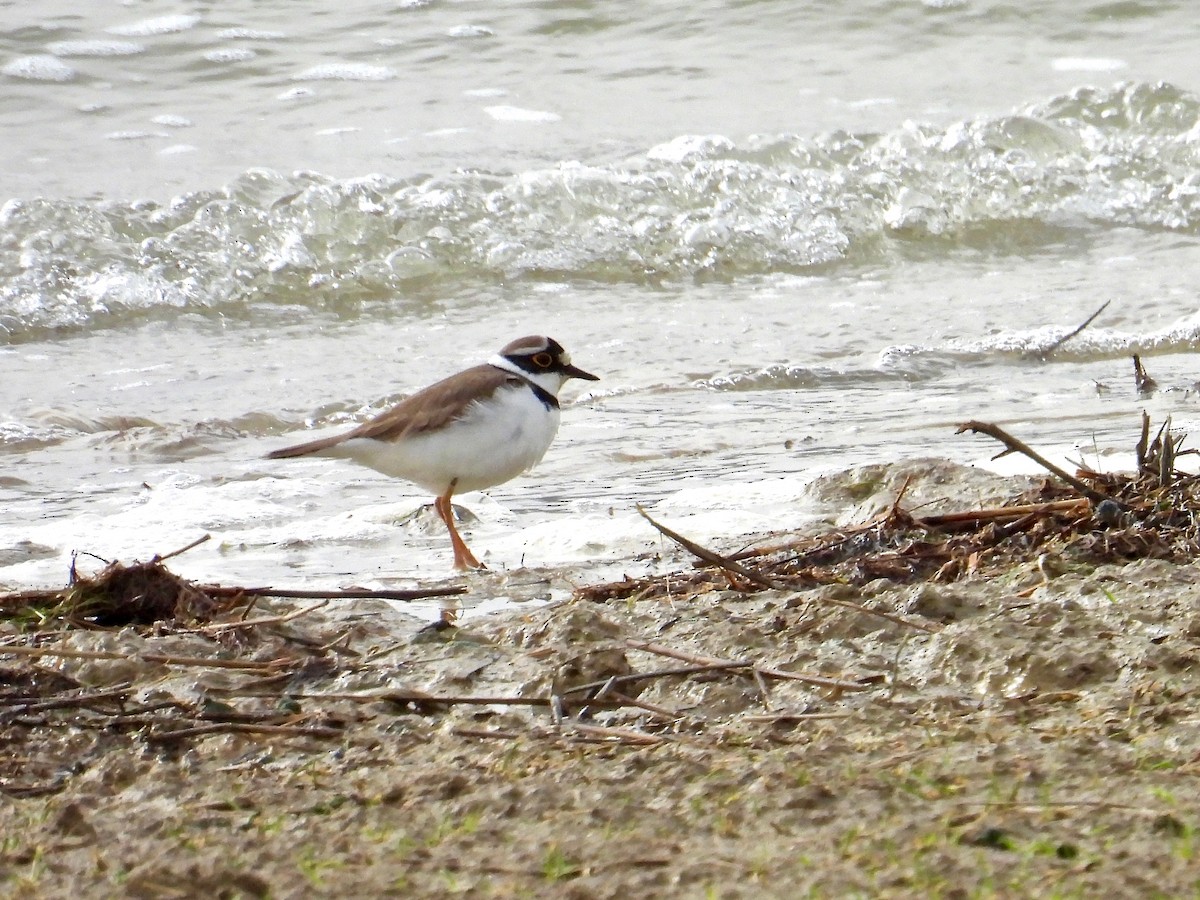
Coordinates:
<point>494,441</point>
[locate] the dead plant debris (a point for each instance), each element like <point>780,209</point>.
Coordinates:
<point>244,746</point>
<point>133,603</point>
<point>1087,517</point>
<point>145,593</point>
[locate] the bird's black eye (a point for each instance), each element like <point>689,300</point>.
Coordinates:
<point>543,360</point>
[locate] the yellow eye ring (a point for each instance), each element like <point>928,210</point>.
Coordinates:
<point>543,360</point>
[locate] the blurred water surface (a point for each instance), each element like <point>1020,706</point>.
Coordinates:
<point>790,237</point>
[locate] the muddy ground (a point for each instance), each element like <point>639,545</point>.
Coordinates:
<point>1033,732</point>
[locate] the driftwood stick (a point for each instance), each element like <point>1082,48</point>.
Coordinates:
<point>794,717</point>
<point>36,595</point>
<point>762,580</point>
<point>818,680</point>
<point>709,556</point>
<point>420,697</point>
<point>182,550</point>
<point>266,620</point>
<point>974,516</point>
<point>217,590</point>
<point>200,662</point>
<point>621,735</point>
<point>1086,322</point>
<point>26,706</point>
<point>802,546</point>
<point>1014,445</point>
<point>808,545</point>
<point>652,708</point>
<point>672,653</point>
<point>142,713</point>
<point>616,680</point>
<point>320,731</point>
<point>341,643</point>
<point>603,692</point>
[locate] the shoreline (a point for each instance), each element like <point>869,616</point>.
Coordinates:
<point>1036,736</point>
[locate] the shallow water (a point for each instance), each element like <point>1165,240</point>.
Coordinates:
<point>789,239</point>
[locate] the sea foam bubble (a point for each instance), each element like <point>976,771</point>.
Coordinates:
<point>96,48</point>
<point>346,72</point>
<point>42,67</point>
<point>157,25</point>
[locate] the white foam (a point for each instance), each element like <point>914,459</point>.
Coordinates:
<point>689,147</point>
<point>870,102</point>
<point>134,135</point>
<point>249,34</point>
<point>517,114</point>
<point>157,25</point>
<point>230,54</point>
<point>470,31</point>
<point>346,72</point>
<point>95,48</point>
<point>1087,64</point>
<point>42,67</point>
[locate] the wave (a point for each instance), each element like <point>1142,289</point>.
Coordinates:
<point>697,207</point>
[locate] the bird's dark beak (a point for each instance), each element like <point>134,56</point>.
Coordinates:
<point>576,372</point>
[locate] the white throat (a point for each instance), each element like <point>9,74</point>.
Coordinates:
<point>547,381</point>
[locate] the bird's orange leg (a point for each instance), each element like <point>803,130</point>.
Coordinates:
<point>463,557</point>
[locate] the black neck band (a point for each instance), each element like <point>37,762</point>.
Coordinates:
<point>547,398</point>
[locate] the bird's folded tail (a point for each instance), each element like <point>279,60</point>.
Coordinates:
<point>305,449</point>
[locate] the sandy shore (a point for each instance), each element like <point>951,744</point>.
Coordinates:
<point>1031,733</point>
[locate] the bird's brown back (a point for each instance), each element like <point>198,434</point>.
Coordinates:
<point>430,408</point>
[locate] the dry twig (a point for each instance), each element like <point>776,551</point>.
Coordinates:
<point>1013,445</point>
<point>1066,337</point>
<point>761,580</point>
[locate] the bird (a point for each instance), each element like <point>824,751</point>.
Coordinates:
<point>473,430</point>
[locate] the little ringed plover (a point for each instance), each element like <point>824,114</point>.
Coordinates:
<point>479,428</point>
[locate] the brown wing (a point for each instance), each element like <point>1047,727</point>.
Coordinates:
<point>435,406</point>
